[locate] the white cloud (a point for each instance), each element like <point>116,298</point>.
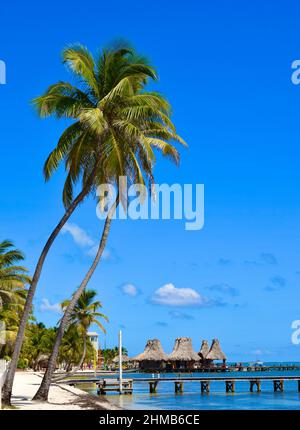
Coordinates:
<point>172,296</point>
<point>47,307</point>
<point>130,290</point>
<point>79,235</point>
<point>93,251</point>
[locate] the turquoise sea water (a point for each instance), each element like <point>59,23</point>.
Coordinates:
<point>192,399</point>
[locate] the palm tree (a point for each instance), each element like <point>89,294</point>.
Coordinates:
<point>88,148</point>
<point>12,276</point>
<point>130,124</point>
<point>84,314</point>
<point>13,279</point>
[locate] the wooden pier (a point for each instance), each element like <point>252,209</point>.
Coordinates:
<point>109,385</point>
<point>106,385</point>
<point>255,382</point>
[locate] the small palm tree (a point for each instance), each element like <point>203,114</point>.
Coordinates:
<point>13,277</point>
<point>13,280</point>
<point>84,314</point>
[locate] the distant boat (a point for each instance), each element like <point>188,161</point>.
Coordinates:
<point>259,363</point>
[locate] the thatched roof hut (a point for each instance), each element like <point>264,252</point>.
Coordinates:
<point>153,357</point>
<point>215,352</point>
<point>41,362</point>
<point>125,359</point>
<point>204,350</point>
<point>153,352</point>
<point>183,350</point>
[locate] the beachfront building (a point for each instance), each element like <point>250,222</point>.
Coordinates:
<point>153,358</point>
<point>94,339</point>
<point>215,353</point>
<point>183,357</point>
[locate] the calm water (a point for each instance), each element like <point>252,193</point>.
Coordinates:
<point>192,399</point>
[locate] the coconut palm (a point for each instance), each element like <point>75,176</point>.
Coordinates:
<point>13,280</point>
<point>84,314</point>
<point>89,149</point>
<point>12,276</point>
<point>127,125</point>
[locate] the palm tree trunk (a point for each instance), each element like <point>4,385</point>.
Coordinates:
<point>67,374</point>
<point>7,387</point>
<point>43,391</point>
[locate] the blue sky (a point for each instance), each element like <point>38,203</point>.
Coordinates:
<point>226,69</point>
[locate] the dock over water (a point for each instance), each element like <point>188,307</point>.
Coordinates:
<point>206,383</point>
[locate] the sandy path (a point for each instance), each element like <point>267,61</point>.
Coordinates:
<point>60,396</point>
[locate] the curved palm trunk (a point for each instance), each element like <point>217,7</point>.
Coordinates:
<point>67,374</point>
<point>7,387</point>
<point>43,391</point>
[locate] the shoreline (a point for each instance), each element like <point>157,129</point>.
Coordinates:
<point>61,396</point>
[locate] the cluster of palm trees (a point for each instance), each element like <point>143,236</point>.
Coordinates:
<point>116,127</point>
<point>38,342</point>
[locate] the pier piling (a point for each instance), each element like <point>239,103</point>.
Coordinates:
<point>178,387</point>
<point>205,386</point>
<point>257,384</point>
<point>230,386</point>
<point>278,385</point>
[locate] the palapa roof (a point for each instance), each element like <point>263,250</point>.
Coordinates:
<point>124,359</point>
<point>215,352</point>
<point>204,350</point>
<point>183,350</point>
<point>153,352</point>
<point>42,357</point>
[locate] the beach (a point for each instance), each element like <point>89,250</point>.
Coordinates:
<point>62,397</point>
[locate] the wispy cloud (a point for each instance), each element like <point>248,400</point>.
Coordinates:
<point>223,288</point>
<point>46,306</point>
<point>169,295</point>
<point>130,290</point>
<point>268,258</point>
<point>265,259</point>
<point>224,261</point>
<point>84,240</point>
<point>161,324</point>
<point>180,315</point>
<point>276,283</point>
<point>79,235</point>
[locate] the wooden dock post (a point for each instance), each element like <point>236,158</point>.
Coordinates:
<point>205,386</point>
<point>278,385</point>
<point>178,386</point>
<point>230,386</point>
<point>256,383</point>
<point>153,386</point>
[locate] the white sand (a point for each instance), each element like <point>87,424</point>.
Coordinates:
<point>61,396</point>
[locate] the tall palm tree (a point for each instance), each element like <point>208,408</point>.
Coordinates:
<point>84,314</point>
<point>130,124</point>
<point>83,144</point>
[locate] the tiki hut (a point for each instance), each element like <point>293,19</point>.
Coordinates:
<point>215,352</point>
<point>204,350</point>
<point>183,356</point>
<point>153,357</point>
<point>41,362</point>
